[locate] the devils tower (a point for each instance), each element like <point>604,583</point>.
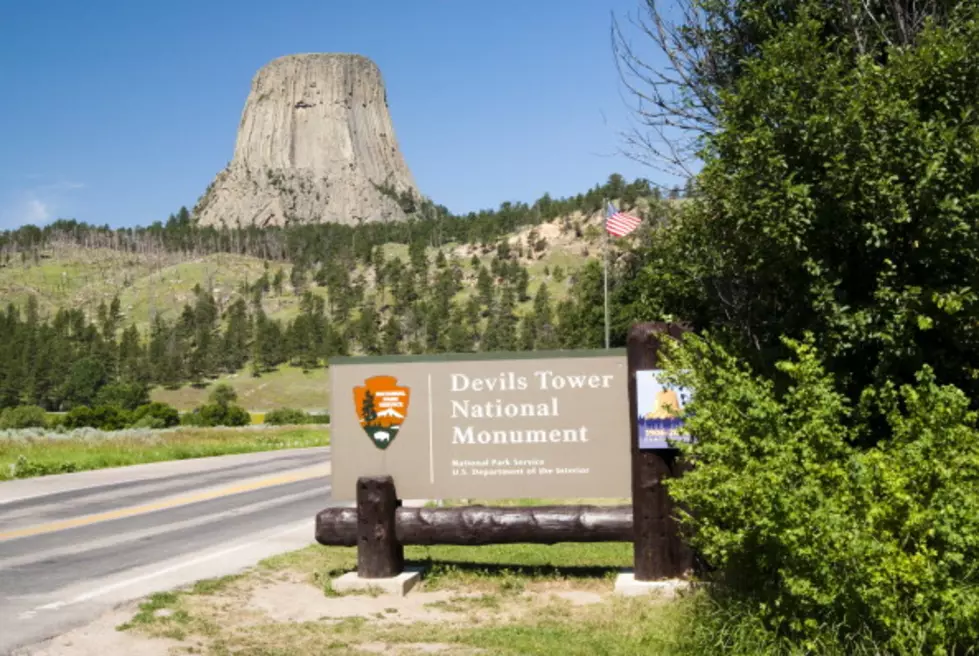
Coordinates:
<point>314,144</point>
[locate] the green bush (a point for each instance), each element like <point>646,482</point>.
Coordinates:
<point>215,414</point>
<point>815,540</point>
<point>235,415</point>
<point>284,416</point>
<point>155,415</point>
<point>80,416</point>
<point>56,422</point>
<point>24,416</point>
<point>319,418</point>
<point>105,417</point>
<point>192,418</point>
<point>127,396</point>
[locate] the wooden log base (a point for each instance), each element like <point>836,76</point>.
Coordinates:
<point>479,525</point>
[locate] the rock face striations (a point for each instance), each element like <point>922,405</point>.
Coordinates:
<point>314,144</point>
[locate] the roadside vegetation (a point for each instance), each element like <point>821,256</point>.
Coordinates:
<point>33,443</point>
<point>24,454</point>
<point>829,265</point>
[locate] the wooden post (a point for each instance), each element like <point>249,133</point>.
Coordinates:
<point>658,551</point>
<point>379,554</point>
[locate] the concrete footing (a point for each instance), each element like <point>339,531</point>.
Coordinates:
<point>627,585</point>
<point>397,586</point>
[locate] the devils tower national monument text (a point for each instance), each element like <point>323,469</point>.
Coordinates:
<point>314,143</point>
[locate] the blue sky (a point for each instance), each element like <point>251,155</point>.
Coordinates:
<point>121,111</point>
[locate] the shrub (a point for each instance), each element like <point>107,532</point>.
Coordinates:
<point>105,417</point>
<point>214,414</point>
<point>192,418</point>
<point>319,418</point>
<point>824,541</point>
<point>79,417</point>
<point>284,416</point>
<point>127,396</point>
<point>24,416</point>
<point>155,415</point>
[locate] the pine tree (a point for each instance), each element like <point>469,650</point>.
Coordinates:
<point>484,286</point>
<point>132,357</point>
<point>236,336</point>
<point>545,336</point>
<point>391,336</point>
<point>522,283</point>
<point>367,328</point>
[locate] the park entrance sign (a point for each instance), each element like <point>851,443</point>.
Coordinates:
<point>490,426</point>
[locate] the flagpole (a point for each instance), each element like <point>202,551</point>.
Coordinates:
<point>605,259</point>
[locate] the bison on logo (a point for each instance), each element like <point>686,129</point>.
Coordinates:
<point>382,406</point>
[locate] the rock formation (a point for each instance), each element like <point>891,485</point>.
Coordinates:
<point>314,144</point>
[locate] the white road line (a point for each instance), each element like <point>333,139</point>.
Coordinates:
<point>98,592</point>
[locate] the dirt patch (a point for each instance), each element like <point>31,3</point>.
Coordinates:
<point>100,638</point>
<point>580,597</point>
<point>515,599</point>
<point>287,601</point>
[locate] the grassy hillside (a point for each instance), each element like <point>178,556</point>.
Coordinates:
<point>287,387</point>
<point>76,277</point>
<point>148,284</point>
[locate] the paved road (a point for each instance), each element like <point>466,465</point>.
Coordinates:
<point>73,546</point>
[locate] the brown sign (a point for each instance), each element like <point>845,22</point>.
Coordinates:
<point>523,425</point>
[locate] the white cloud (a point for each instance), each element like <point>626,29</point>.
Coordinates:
<point>36,211</point>
<point>36,205</point>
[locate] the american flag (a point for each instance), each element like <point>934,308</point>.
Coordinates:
<point>618,223</point>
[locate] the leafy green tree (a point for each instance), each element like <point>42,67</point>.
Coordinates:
<point>825,221</point>
<point>86,378</point>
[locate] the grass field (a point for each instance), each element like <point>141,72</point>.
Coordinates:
<point>288,387</point>
<point>86,450</point>
<point>502,599</point>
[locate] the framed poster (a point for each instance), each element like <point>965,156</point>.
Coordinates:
<point>658,404</point>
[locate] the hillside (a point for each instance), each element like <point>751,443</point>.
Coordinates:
<point>177,306</point>
<point>70,276</point>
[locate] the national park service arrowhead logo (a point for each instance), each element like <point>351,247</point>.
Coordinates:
<point>382,406</point>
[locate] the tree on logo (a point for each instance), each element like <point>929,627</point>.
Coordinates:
<point>367,408</point>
